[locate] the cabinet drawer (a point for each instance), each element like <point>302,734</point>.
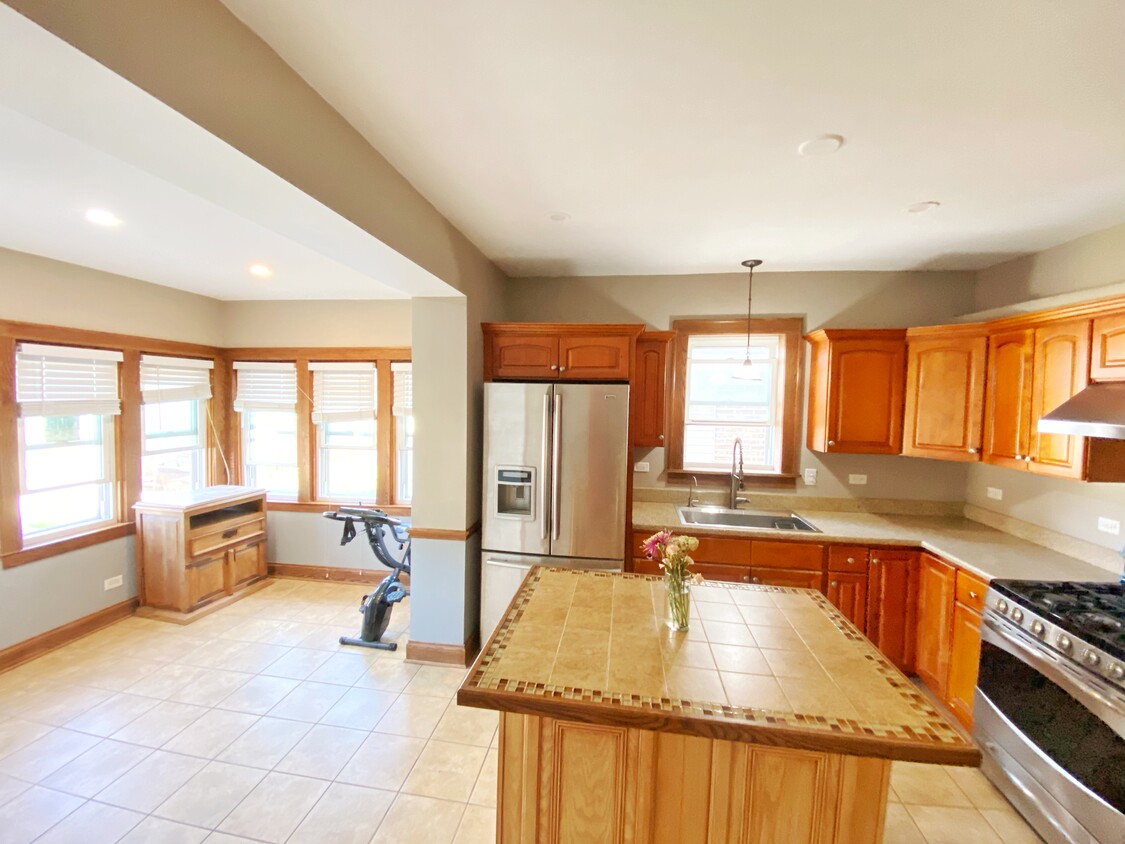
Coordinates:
<point>204,580</point>
<point>223,535</point>
<point>788,555</point>
<point>847,558</point>
<point>970,590</point>
<point>798,578</point>
<point>717,549</point>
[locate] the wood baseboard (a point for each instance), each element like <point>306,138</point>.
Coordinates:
<point>332,574</point>
<point>21,652</point>
<point>176,617</point>
<point>462,655</point>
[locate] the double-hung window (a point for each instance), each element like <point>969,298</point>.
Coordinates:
<point>344,416</point>
<point>174,392</point>
<point>68,398</point>
<point>403,409</point>
<point>266,400</point>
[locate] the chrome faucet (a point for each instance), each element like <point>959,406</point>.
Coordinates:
<point>736,474</point>
<point>691,499</point>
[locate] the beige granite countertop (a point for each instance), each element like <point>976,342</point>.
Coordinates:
<point>978,548</point>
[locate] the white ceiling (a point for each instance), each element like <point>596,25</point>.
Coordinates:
<point>668,131</point>
<point>196,212</point>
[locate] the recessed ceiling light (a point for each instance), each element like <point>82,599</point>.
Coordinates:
<point>922,207</point>
<point>821,145</point>
<point>101,217</point>
<point>558,216</point>
<point>260,270</point>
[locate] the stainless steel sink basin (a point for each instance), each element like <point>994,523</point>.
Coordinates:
<point>743,519</point>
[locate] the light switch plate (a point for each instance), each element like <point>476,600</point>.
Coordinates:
<point>114,582</point>
<point>1109,525</point>
<point>857,480</point>
<point>810,477</point>
<point>642,466</point>
<point>995,493</point>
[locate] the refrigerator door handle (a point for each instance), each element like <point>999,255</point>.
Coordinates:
<point>543,465</point>
<point>556,437</point>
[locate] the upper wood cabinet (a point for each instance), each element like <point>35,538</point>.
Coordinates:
<point>649,389</point>
<point>935,622</point>
<point>1061,369</point>
<point>856,387</point>
<point>1107,362</point>
<point>945,375</point>
<point>530,351</point>
<point>1007,426</point>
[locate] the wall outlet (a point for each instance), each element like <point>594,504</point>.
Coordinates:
<point>1109,525</point>
<point>810,477</point>
<point>857,480</point>
<point>114,582</point>
<point>642,466</point>
<point>995,493</point>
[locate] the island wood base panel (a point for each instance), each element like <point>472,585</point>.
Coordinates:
<point>569,781</point>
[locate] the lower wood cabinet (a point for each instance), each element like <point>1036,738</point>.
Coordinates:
<point>935,622</point>
<point>964,663</point>
<point>848,593</point>
<point>892,605</point>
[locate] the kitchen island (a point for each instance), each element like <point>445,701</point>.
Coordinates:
<point>772,719</point>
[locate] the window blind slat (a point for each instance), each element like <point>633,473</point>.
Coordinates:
<point>165,379</point>
<point>403,389</point>
<point>343,392</point>
<point>64,381</point>
<point>265,386</point>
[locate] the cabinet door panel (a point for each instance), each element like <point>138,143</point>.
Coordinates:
<point>787,577</point>
<point>594,358</point>
<point>945,398</point>
<point>1107,363</point>
<point>204,580</point>
<point>648,392</point>
<point>848,593</point>
<point>1007,424</point>
<point>865,396</point>
<point>964,663</point>
<point>524,356</point>
<point>935,622</point>
<point>247,562</point>
<point>892,605</point>
<point>1061,370</point>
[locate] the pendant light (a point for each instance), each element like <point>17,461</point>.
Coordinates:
<point>748,371</point>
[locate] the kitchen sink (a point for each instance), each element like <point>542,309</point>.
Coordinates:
<point>743,519</point>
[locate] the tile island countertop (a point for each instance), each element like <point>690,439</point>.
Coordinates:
<point>760,664</point>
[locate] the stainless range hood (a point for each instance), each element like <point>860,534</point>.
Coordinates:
<point>1098,411</point>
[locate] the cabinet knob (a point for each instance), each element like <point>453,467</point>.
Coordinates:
<point>834,583</point>
<point>660,437</point>
<point>554,366</point>
<point>1028,459</point>
<point>973,595</point>
<point>1019,457</point>
<point>972,451</point>
<point>832,442</point>
<point>851,561</point>
<point>562,369</point>
<point>875,560</point>
<point>757,580</point>
<point>745,578</point>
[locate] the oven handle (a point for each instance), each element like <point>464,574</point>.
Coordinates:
<point>1111,711</point>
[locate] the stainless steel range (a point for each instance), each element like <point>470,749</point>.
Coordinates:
<point>1049,712</point>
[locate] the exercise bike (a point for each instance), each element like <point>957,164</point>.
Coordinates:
<point>376,607</point>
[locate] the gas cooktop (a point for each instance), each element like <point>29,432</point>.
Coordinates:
<point>1094,612</point>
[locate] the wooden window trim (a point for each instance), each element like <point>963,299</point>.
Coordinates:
<point>105,533</point>
<point>792,330</point>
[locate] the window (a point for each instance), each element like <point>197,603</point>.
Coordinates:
<point>404,431</point>
<point>67,400</point>
<point>344,415</point>
<point>175,392</point>
<point>266,399</point>
<point>721,399</point>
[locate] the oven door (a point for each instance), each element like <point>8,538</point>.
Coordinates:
<point>1052,738</point>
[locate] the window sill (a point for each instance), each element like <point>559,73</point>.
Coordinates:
<point>321,506</point>
<point>70,543</point>
<point>782,482</point>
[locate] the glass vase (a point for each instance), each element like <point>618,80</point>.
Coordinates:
<point>677,604</point>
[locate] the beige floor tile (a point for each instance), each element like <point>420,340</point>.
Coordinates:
<point>259,695</point>
<point>92,823</point>
<point>420,820</point>
<point>211,687</point>
<point>210,795</point>
<point>211,733</point>
<point>166,680</point>
<point>224,838</point>
<point>153,830</point>
<point>977,788</point>
<point>900,827</point>
<point>413,715</point>
<point>389,675</point>
<point>327,637</point>
<point>435,680</point>
<point>382,761</point>
<point>265,743</point>
<point>308,701</point>
<point>478,825</point>
<point>111,715</point>
<point>16,733</point>
<point>446,770</point>
<point>345,814</point>
<point>288,633</point>
<point>484,792</point>
<point>34,812</point>
<point>10,788</point>
<point>159,724</point>
<point>115,672</point>
<point>359,709</point>
<point>947,825</point>
<point>926,785</point>
<point>298,664</point>
<point>61,703</point>
<point>273,810</point>
<point>323,752</point>
<point>151,781</point>
<point>466,725</point>
<point>97,768</point>
<point>343,669</point>
<point>1011,828</point>
<point>46,755</point>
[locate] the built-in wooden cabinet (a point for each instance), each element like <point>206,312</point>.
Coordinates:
<point>935,622</point>
<point>1007,428</point>
<point>892,600</point>
<point>944,407</point>
<point>1060,370</point>
<point>856,388</point>
<point>649,388</point>
<point>196,547</point>
<point>964,663</point>
<point>558,351</point>
<point>848,593</point>
<point>1107,359</point>
<point>796,578</point>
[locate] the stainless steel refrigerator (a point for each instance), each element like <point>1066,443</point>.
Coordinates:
<point>555,464</point>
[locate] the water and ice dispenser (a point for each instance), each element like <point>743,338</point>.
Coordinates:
<point>515,492</point>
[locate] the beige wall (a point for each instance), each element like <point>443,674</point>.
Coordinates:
<point>318,323</point>
<point>839,300</point>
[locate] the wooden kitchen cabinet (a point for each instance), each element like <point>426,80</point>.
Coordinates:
<point>531,351</point>
<point>892,605</point>
<point>798,578</point>
<point>1007,427</point>
<point>848,593</point>
<point>649,388</point>
<point>964,663</point>
<point>1060,369</point>
<point>944,407</point>
<point>935,622</point>
<point>1107,359</point>
<point>198,547</point>
<point>856,389</point>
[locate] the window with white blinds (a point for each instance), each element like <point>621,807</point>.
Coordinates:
<point>165,379</point>
<point>403,389</point>
<point>65,381</point>
<point>265,386</point>
<point>343,392</point>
